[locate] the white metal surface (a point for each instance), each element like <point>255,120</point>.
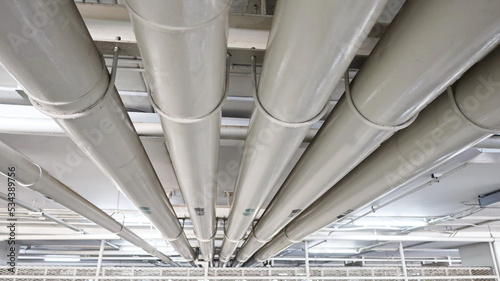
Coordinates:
<point>454,122</point>
<point>295,87</point>
<point>409,67</point>
<point>187,89</point>
<point>76,95</point>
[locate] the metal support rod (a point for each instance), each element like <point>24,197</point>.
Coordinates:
<point>306,255</point>
<point>43,213</point>
<point>99,261</point>
<point>495,261</point>
<point>403,260</point>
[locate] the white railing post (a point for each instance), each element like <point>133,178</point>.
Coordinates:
<point>403,260</point>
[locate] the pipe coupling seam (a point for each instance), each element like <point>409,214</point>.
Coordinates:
<point>176,29</point>
<point>259,240</point>
<point>269,116</point>
<point>175,238</point>
<point>40,175</point>
<point>185,120</point>
<point>239,261</point>
<point>53,109</point>
<point>231,240</point>
<point>466,119</point>
<point>205,240</point>
<point>122,227</point>
<point>289,239</point>
<point>216,110</point>
<point>368,121</point>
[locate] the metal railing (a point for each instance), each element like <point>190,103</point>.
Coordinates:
<point>63,273</point>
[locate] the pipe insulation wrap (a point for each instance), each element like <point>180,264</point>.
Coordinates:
<point>296,83</point>
<point>183,45</point>
<point>409,67</point>
<point>61,84</point>
<point>443,129</point>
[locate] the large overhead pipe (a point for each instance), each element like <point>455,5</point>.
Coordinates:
<point>426,48</point>
<point>48,49</point>
<point>183,45</point>
<point>464,115</point>
<point>305,59</point>
<point>25,172</point>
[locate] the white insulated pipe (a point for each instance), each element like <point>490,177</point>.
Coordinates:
<point>48,49</point>
<point>183,45</point>
<point>310,47</point>
<point>462,116</point>
<point>31,175</point>
<point>426,48</point>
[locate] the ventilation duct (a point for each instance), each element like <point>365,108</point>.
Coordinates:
<point>294,91</point>
<point>461,117</point>
<point>183,44</point>
<point>426,48</point>
<point>48,49</point>
<point>31,175</point>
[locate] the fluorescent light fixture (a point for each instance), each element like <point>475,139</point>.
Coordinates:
<point>326,250</point>
<point>390,222</point>
<point>62,259</point>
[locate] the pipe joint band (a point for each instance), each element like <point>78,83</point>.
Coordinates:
<point>231,240</point>
<point>260,240</point>
<point>174,238</point>
<point>269,116</point>
<point>41,172</point>
<point>290,239</point>
<point>206,240</point>
<point>184,120</point>
<point>122,227</point>
<point>367,121</point>
<point>217,109</point>
<point>91,100</point>
<point>176,29</point>
<point>466,119</point>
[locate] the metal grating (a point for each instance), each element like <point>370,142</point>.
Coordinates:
<point>40,273</point>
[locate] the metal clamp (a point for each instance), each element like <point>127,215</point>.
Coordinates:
<point>39,104</point>
<point>458,111</point>
<point>263,110</point>
<point>366,120</point>
<point>198,119</point>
